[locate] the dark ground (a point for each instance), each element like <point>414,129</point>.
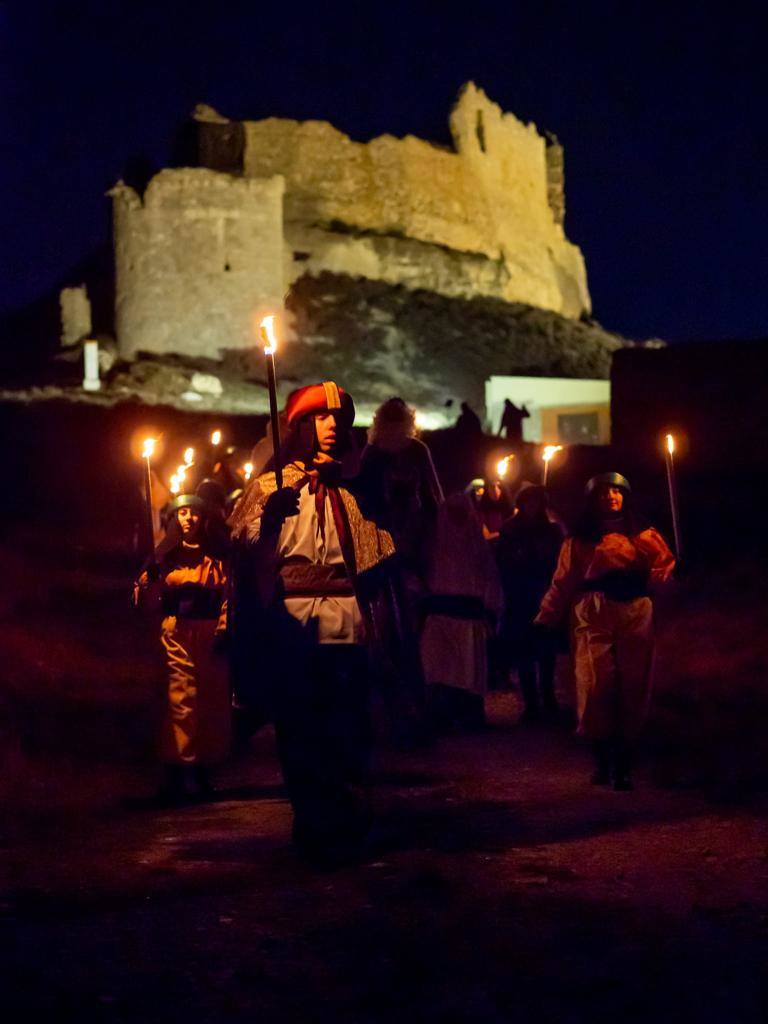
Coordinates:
<point>500,886</point>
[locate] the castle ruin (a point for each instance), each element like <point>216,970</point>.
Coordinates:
<point>207,249</point>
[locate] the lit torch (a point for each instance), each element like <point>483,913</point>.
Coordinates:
<point>669,458</point>
<point>502,467</point>
<point>216,438</point>
<point>270,347</point>
<point>547,455</point>
<point>146,453</point>
<point>189,456</point>
<point>248,470</point>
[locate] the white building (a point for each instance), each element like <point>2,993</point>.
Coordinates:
<point>562,410</point>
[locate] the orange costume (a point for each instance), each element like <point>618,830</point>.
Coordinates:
<point>196,722</point>
<point>603,584</point>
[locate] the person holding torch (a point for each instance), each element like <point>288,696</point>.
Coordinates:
<point>602,584</point>
<point>309,571</point>
<point>190,575</point>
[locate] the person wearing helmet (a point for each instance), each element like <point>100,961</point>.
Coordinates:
<point>308,571</point>
<point>604,576</point>
<point>196,720</point>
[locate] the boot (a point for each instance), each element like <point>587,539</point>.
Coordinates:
<point>602,754</point>
<point>622,768</point>
<point>202,778</point>
<point>546,663</point>
<point>527,675</point>
<point>173,788</point>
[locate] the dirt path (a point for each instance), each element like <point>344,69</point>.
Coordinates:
<point>501,887</point>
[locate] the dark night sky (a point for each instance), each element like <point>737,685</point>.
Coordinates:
<point>661,108</point>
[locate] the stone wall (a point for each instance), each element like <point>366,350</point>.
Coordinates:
<point>197,259</point>
<point>494,203</point>
<point>75,309</point>
<point>390,258</point>
<point>556,179</point>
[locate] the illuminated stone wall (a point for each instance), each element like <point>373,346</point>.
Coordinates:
<point>484,218</point>
<point>197,258</point>
<point>280,205</point>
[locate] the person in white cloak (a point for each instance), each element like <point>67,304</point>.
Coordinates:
<point>462,611</point>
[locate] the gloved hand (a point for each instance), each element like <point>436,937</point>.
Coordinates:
<point>279,506</point>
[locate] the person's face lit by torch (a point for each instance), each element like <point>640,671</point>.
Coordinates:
<point>610,500</point>
<point>189,521</point>
<point>325,431</point>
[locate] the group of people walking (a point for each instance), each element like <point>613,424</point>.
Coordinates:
<point>356,574</point>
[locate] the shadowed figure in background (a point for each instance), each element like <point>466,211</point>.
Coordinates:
<point>511,425</point>
<point>468,423</point>
<point>526,554</point>
<point>463,609</point>
<point>604,576</point>
<point>309,596</point>
<point>398,478</point>
<point>397,473</point>
<point>189,589</point>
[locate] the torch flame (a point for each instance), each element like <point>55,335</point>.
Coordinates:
<point>189,456</point>
<point>550,450</point>
<point>248,470</point>
<point>216,437</point>
<point>670,444</point>
<point>149,448</point>
<point>181,472</point>
<point>268,335</point>
<point>175,484</point>
<point>503,465</point>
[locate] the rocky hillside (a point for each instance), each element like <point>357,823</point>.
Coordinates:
<point>382,339</point>
<point>377,339</point>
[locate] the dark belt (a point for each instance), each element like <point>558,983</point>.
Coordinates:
<point>619,586</point>
<point>192,602</point>
<point>306,579</point>
<point>455,606</point>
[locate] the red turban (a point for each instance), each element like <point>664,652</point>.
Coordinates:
<point>320,398</point>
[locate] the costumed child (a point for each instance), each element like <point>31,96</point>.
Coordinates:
<point>191,577</point>
<point>603,580</point>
